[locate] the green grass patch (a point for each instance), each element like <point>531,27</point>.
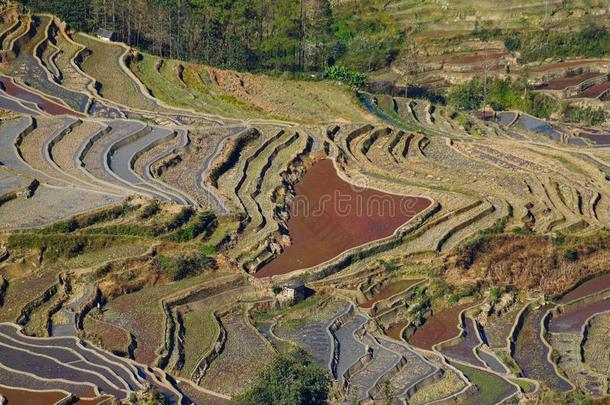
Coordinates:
<point>491,388</point>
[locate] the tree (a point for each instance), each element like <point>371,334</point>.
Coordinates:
<point>290,379</point>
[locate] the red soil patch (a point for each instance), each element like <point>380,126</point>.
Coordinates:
<point>595,91</point>
<point>330,216</point>
<point>589,287</point>
<point>442,326</point>
<point>564,82</point>
<point>24,397</point>
<point>388,291</point>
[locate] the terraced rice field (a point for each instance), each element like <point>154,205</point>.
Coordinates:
<point>351,350</point>
<point>328,228</point>
<point>114,83</point>
<point>596,345</point>
<point>573,317</point>
<point>201,324</point>
<point>13,395</point>
<point>448,385</point>
<point>565,82</point>
<point>463,349</point>
<point>596,91</point>
<point>589,287</point>
<point>29,69</point>
<point>391,289</point>
<point>243,355</point>
<point>23,94</point>
<point>491,389</point>
<point>148,333</point>
<point>188,86</point>
<point>313,333</point>
<point>443,325</point>
<point>361,197</point>
<point>498,329</point>
<point>531,354</point>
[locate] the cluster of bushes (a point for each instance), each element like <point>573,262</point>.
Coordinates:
<point>292,379</point>
<point>501,94</point>
<point>53,247</point>
<point>464,291</point>
<point>201,223</point>
<point>86,220</point>
<point>343,74</point>
<point>591,42</point>
<point>183,226</point>
<point>572,248</point>
<point>180,267</point>
<point>583,115</point>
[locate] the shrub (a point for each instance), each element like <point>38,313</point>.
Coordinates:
<point>86,220</point>
<point>179,219</point>
<point>62,227</point>
<point>570,255</point>
<point>501,94</point>
<point>60,246</point>
<point>343,74</point>
<point>150,210</point>
<point>291,379</point>
<point>207,250</point>
<point>204,222</point>
<point>512,43</point>
<point>583,115</point>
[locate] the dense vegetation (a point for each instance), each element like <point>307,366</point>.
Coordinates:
<point>501,95</point>
<point>583,115</point>
<point>283,35</point>
<point>591,42</point>
<point>291,379</point>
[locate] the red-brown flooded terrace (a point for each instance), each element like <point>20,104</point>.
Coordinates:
<point>568,81</point>
<point>21,93</point>
<point>26,397</point>
<point>442,326</point>
<point>595,91</point>
<point>589,287</point>
<point>330,216</point>
<point>389,290</point>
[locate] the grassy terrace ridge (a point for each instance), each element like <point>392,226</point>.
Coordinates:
<point>187,85</point>
<point>244,95</point>
<point>115,84</point>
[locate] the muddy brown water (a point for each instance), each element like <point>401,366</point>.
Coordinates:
<point>587,288</point>
<point>389,290</point>
<point>442,326</point>
<point>24,397</point>
<point>330,216</point>
<point>23,94</point>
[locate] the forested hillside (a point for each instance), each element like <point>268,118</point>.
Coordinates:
<point>283,35</point>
